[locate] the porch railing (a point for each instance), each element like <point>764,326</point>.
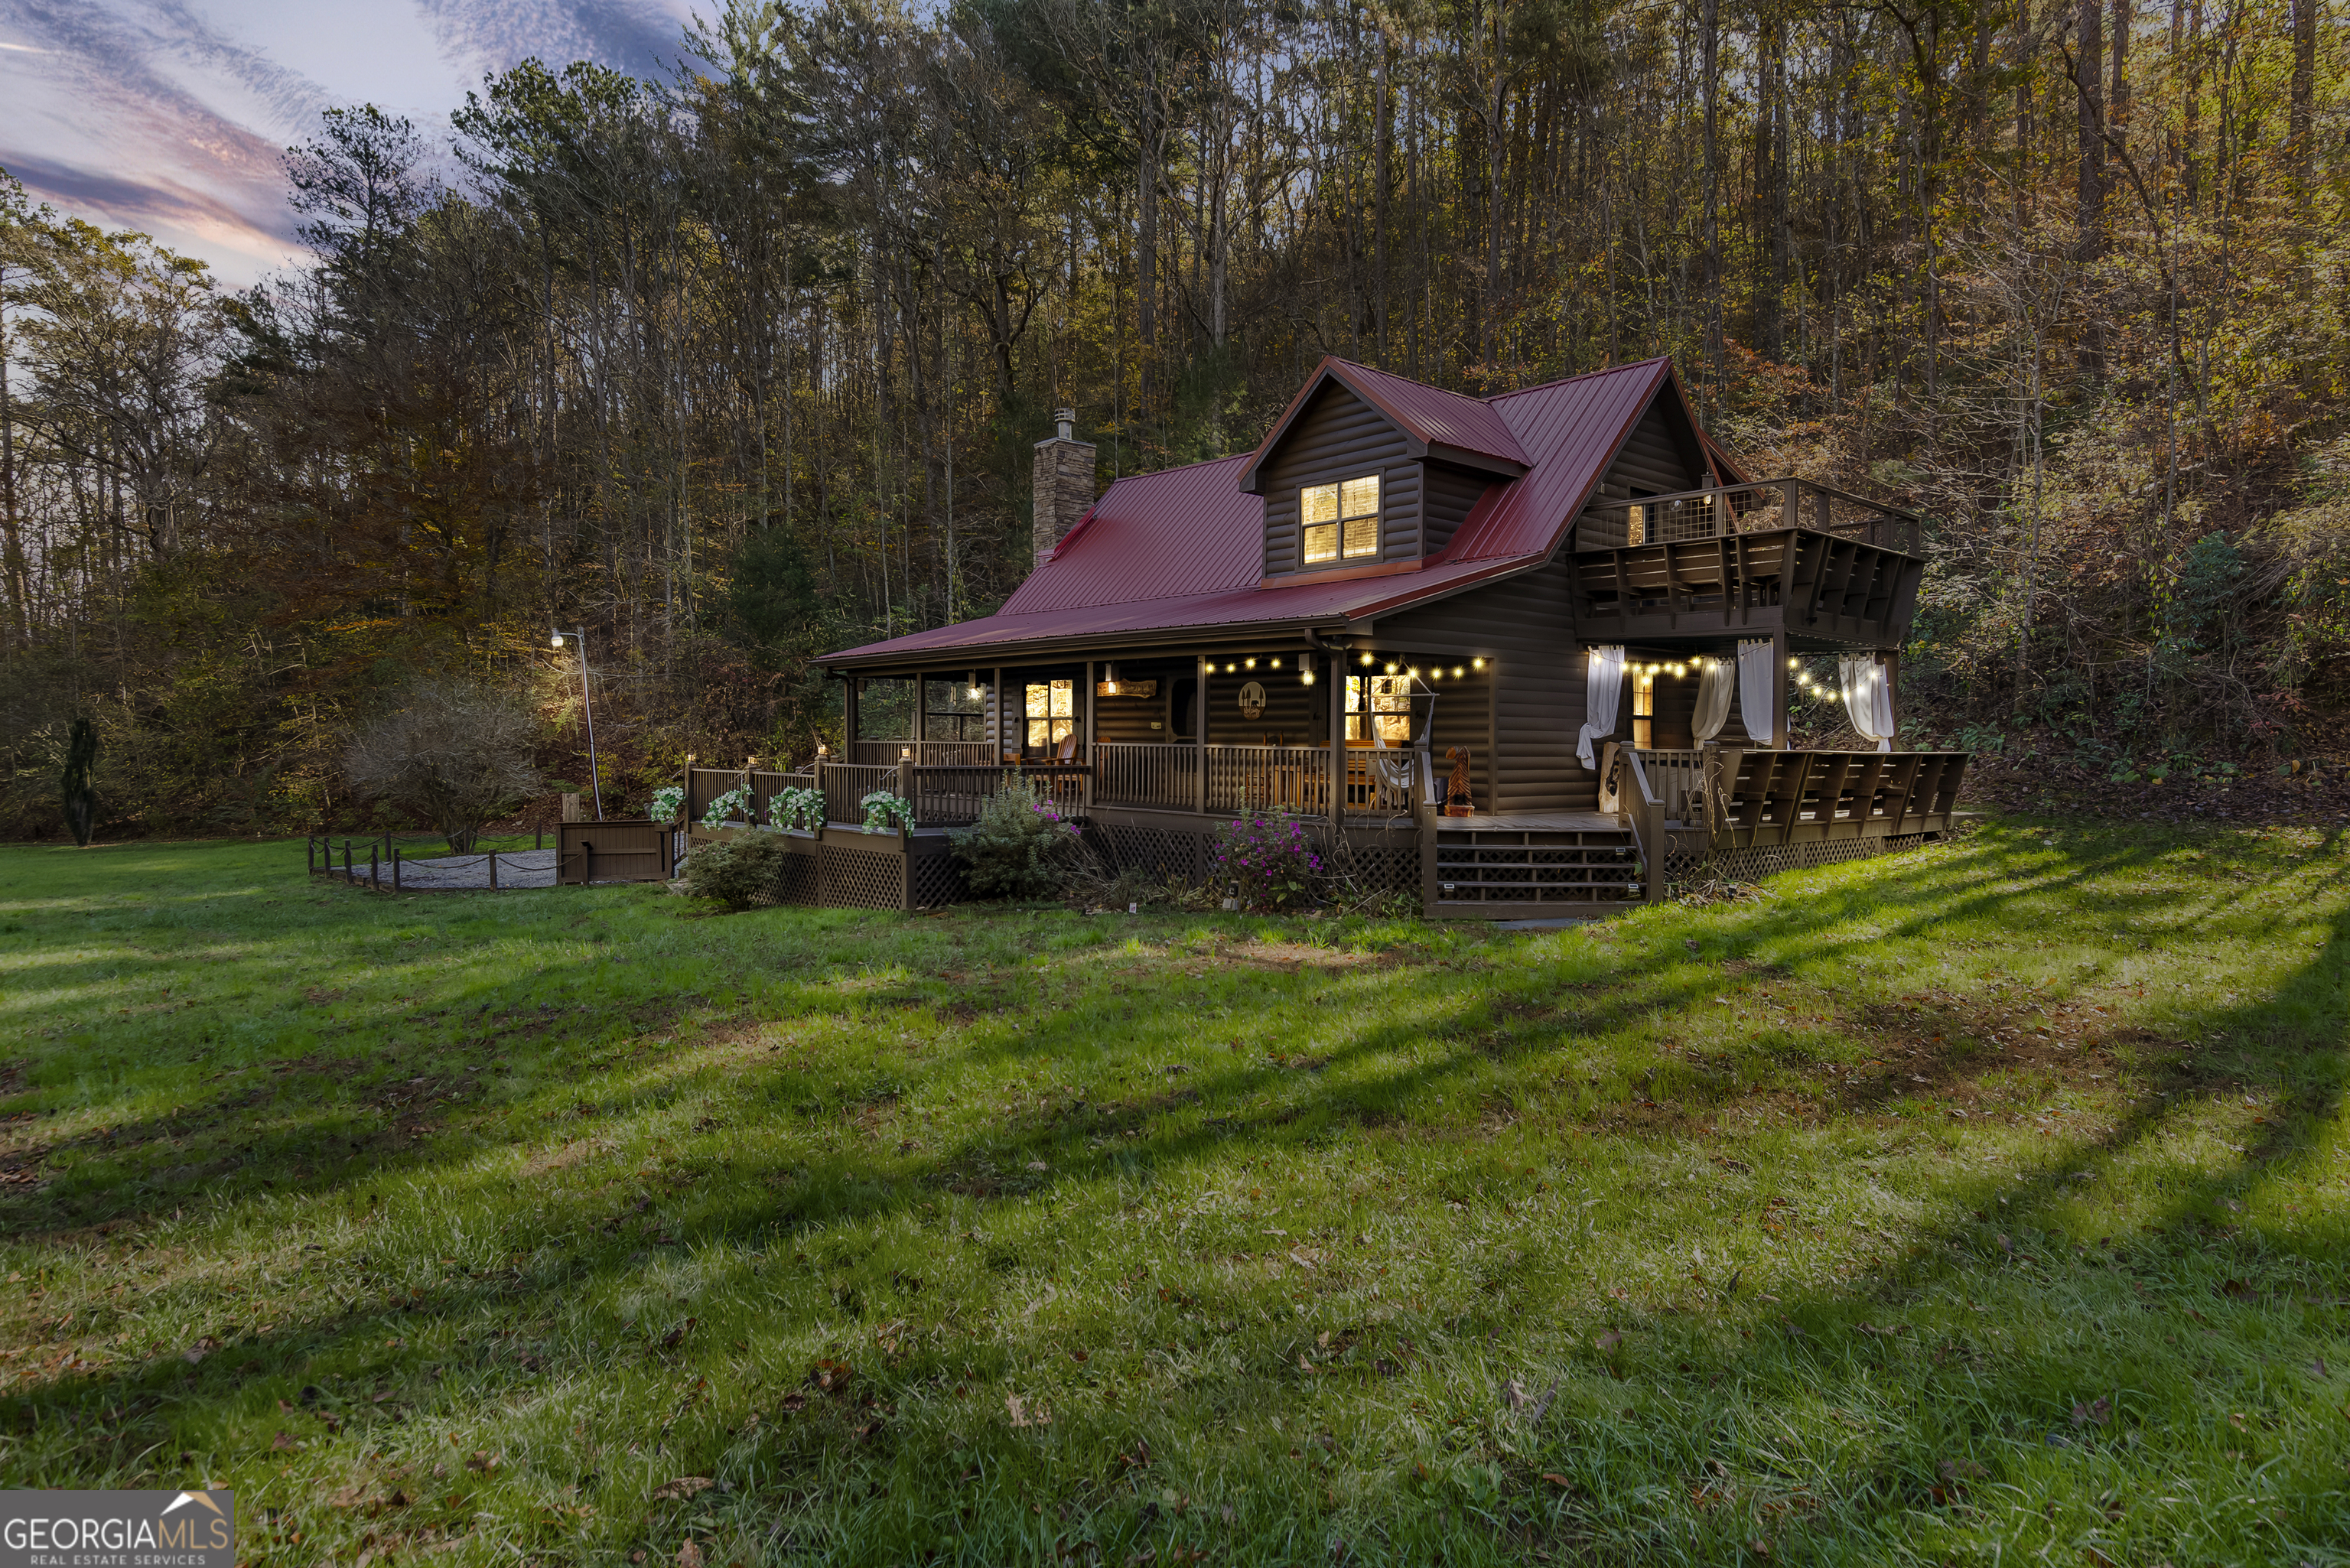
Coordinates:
<point>1292,779</point>
<point>1674,780</point>
<point>1145,774</point>
<point>952,796</point>
<point>927,753</point>
<point>1723,511</point>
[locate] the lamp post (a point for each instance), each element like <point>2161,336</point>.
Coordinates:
<point>587,702</point>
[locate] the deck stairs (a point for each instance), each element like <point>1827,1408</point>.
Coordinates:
<point>1518,866</point>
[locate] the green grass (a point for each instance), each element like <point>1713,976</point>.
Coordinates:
<point>1982,1205</point>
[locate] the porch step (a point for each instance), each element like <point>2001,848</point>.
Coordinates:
<point>1478,867</point>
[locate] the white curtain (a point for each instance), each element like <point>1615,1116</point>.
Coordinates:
<point>1758,686</point>
<point>1867,697</point>
<point>1603,684</point>
<point>1712,700</point>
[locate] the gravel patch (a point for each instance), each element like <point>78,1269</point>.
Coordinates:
<point>457,873</point>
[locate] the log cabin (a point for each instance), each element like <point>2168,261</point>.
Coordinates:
<point>1571,588</point>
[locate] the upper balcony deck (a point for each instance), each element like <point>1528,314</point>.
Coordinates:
<point>1824,567</point>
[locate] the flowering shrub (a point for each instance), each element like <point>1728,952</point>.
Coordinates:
<point>668,804</point>
<point>1270,861</point>
<point>886,813</point>
<point>1021,846</point>
<point>802,805</point>
<point>734,806</point>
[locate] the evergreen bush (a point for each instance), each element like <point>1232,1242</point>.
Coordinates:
<point>738,872</point>
<point>1021,846</point>
<point>79,790</point>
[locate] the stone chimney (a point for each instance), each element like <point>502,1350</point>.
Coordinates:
<point>1064,483</point>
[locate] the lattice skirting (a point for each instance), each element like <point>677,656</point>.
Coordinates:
<point>937,880</point>
<point>1162,852</point>
<point>795,881</point>
<point>1748,865</point>
<point>860,879</point>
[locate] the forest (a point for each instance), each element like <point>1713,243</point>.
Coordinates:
<point>738,364</point>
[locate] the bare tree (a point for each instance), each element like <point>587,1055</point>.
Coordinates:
<point>456,752</point>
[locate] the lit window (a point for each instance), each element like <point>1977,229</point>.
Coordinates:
<point>1383,700</point>
<point>1052,713</point>
<point>1342,518</point>
<point>1644,709</point>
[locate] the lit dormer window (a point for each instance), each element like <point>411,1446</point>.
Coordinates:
<point>1341,518</point>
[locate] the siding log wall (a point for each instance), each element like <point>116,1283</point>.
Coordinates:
<point>1340,437</point>
<point>1451,492</point>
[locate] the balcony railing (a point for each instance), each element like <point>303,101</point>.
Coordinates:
<point>1760,507</point>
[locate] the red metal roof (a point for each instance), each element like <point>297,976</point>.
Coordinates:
<point>1435,416</point>
<point>1574,427</point>
<point>1182,550</point>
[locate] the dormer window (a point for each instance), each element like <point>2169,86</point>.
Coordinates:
<point>1340,519</point>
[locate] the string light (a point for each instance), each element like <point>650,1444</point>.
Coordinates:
<point>1273,664</point>
<point>1435,674</point>
<point>1456,673</point>
<point>1390,668</point>
<point>1366,659</point>
<point>1251,662</point>
<point>1477,664</point>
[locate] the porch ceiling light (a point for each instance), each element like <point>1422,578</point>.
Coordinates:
<point>1305,675</point>
<point>977,692</point>
<point>1110,685</point>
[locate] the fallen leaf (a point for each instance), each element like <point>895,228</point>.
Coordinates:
<point>830,1377</point>
<point>1607,1340</point>
<point>676,1336</point>
<point>1555,1479</point>
<point>481,1464</point>
<point>682,1488</point>
<point>1513,1394</point>
<point>282,1441</point>
<point>689,1555</point>
<point>2099,1411</point>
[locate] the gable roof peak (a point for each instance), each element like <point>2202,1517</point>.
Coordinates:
<point>1451,426</point>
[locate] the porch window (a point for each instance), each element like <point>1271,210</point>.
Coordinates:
<point>1052,713</point>
<point>1381,701</point>
<point>1341,518</point>
<point>950,713</point>
<point>1644,709</point>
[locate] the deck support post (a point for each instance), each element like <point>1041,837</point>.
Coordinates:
<point>1780,741</point>
<point>850,691</point>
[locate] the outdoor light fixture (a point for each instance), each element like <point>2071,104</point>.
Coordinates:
<point>1366,659</point>
<point>1436,675</point>
<point>977,691</point>
<point>588,704</point>
<point>1476,664</point>
<point>1110,685</point>
<point>1795,663</point>
<point>1456,672</point>
<point>1391,668</point>
<point>1305,675</point>
<point>1273,664</point>
<point>1414,674</point>
<point>1251,662</point>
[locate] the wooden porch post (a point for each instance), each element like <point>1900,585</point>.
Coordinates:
<point>1779,656</point>
<point>1893,695</point>
<point>851,690</point>
<point>921,714</point>
<point>1206,667</point>
<point>1088,741</point>
<point>1001,730</point>
<point>1335,737</point>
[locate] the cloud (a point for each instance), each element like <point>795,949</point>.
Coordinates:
<point>172,116</point>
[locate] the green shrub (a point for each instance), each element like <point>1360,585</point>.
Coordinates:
<point>738,872</point>
<point>1021,846</point>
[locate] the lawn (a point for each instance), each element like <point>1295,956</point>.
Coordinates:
<point>1985,1204</point>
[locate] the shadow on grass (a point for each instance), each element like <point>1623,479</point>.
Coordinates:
<point>126,1414</point>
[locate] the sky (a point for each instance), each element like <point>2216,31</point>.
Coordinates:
<point>170,116</point>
